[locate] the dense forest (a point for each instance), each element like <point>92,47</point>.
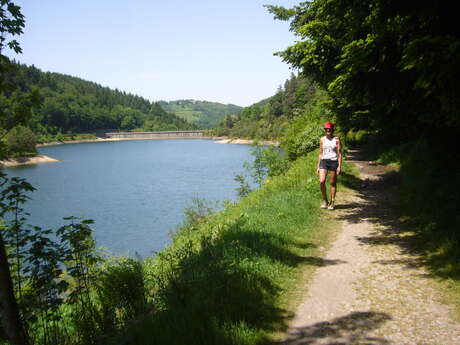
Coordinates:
<point>265,119</point>
<point>293,115</point>
<point>388,67</point>
<point>204,114</point>
<point>72,105</point>
<point>385,67</point>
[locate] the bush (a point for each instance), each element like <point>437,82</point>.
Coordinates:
<point>83,137</point>
<point>303,133</point>
<point>196,213</point>
<point>302,136</point>
<point>121,291</point>
<point>350,137</point>
<point>358,138</point>
<point>21,141</point>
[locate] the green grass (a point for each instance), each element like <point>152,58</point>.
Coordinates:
<point>234,278</point>
<point>202,113</point>
<point>187,114</point>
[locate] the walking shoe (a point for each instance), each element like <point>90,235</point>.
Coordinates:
<point>331,206</point>
<point>324,204</point>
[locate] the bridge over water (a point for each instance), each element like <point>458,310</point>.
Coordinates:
<point>157,135</point>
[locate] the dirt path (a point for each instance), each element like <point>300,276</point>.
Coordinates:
<point>373,289</point>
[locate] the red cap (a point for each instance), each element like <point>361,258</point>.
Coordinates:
<point>328,125</point>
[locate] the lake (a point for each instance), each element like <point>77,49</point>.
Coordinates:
<point>135,191</point>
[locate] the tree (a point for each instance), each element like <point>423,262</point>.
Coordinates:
<point>11,24</point>
<point>74,105</point>
<point>388,66</point>
<point>21,141</point>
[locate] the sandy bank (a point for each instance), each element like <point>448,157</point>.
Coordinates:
<point>246,142</point>
<point>13,162</point>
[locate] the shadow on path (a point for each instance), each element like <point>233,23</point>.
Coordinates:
<point>376,191</point>
<point>353,328</point>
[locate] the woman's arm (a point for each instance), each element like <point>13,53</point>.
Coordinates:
<point>320,154</point>
<point>339,155</point>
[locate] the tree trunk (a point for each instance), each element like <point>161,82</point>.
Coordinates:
<point>9,311</point>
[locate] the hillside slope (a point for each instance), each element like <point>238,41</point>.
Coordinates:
<point>73,105</point>
<point>201,113</point>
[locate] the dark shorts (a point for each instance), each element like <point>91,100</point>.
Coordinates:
<point>328,164</point>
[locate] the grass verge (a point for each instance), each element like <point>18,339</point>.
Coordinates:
<point>234,278</point>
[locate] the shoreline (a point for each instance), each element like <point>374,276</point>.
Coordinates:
<point>218,140</point>
<point>239,141</point>
<point>14,162</point>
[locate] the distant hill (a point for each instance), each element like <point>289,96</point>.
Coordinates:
<point>73,105</point>
<point>201,113</point>
<point>271,118</point>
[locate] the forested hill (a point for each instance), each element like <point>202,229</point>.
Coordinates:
<point>202,113</point>
<point>293,116</point>
<point>74,105</point>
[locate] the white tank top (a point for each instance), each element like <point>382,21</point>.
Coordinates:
<point>330,148</point>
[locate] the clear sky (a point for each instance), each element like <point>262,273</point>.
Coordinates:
<point>215,50</point>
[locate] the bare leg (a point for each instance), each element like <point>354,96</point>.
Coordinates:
<point>333,181</point>
<point>322,182</point>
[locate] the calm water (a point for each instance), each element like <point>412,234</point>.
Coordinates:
<point>135,191</point>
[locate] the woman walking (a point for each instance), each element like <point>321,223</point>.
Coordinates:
<point>329,162</point>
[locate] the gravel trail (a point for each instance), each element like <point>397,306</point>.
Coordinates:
<point>372,289</point>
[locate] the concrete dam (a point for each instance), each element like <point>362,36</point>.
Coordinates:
<point>157,135</point>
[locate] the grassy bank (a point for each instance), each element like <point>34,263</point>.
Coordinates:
<point>233,277</point>
<point>428,206</point>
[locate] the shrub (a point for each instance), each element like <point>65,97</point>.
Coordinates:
<point>350,137</point>
<point>121,291</point>
<point>303,133</point>
<point>358,138</point>
<point>302,136</point>
<point>83,136</point>
<point>196,213</point>
<point>21,141</point>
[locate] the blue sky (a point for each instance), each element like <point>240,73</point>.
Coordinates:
<point>219,50</point>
